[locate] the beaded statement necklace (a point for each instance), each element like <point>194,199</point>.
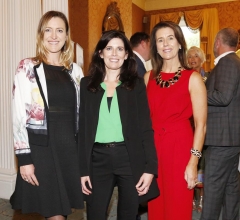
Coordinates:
<point>167,83</point>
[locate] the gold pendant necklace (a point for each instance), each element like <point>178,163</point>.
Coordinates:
<point>167,83</point>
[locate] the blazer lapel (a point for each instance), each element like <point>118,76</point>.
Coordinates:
<point>122,95</point>
<point>95,106</point>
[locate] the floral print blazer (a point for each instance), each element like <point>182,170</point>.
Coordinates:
<point>30,103</point>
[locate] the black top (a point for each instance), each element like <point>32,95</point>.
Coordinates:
<point>60,88</point>
<point>109,101</point>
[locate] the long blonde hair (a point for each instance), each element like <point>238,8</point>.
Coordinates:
<point>67,54</point>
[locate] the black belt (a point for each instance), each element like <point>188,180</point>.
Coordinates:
<point>111,144</point>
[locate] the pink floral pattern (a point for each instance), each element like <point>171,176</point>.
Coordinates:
<point>20,145</point>
<point>23,65</point>
<point>30,75</point>
<point>28,106</point>
<point>35,111</point>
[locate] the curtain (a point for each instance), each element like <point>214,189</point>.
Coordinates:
<point>206,20</point>
<point>209,29</point>
<point>194,19</point>
<point>174,17</point>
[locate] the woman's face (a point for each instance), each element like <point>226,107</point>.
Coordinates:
<point>55,35</point>
<point>114,54</point>
<point>194,61</point>
<point>167,44</point>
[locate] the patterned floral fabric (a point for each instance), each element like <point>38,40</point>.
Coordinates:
<point>28,108</point>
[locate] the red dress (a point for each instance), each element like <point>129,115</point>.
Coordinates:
<point>171,109</point>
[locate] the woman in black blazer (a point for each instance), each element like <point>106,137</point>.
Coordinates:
<point>116,144</point>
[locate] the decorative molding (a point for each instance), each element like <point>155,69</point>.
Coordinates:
<point>7,185</point>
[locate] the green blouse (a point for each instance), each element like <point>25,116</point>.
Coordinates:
<point>109,127</point>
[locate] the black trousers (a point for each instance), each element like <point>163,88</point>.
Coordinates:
<point>111,167</point>
<point>221,185</point>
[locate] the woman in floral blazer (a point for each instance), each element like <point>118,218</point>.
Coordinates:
<point>45,124</point>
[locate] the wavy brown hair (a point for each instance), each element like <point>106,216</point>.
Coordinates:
<point>128,71</point>
<point>156,59</point>
<point>67,54</point>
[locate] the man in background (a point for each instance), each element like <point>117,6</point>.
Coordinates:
<point>140,42</point>
<point>221,186</point>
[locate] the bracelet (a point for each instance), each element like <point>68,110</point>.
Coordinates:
<point>196,153</point>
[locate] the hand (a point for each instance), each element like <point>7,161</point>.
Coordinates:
<point>84,180</point>
<point>144,183</point>
<point>27,173</point>
<point>190,176</point>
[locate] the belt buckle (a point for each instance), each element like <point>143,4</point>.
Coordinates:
<point>110,145</point>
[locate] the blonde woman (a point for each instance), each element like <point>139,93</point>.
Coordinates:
<point>45,124</point>
<point>195,59</point>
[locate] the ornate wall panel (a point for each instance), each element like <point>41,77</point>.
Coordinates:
<point>137,19</point>
<point>97,10</point>
<point>79,26</point>
<point>86,17</point>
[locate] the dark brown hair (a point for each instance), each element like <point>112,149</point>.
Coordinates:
<point>128,71</point>
<point>156,59</point>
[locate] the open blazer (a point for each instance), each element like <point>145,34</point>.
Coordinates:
<point>136,127</point>
<point>30,107</point>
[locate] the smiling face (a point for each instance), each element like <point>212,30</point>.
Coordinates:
<point>55,35</point>
<point>194,61</point>
<point>167,44</point>
<point>114,54</point>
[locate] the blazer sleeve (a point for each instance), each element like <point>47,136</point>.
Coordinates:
<point>82,128</point>
<point>226,78</point>
<point>146,130</point>
<point>20,113</point>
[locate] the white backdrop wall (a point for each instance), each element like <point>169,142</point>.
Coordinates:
<point>18,22</point>
<point>58,5</point>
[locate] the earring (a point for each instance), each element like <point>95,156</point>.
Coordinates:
<point>180,47</point>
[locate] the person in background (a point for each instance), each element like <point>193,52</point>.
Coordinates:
<point>195,59</point>
<point>175,94</point>
<point>140,43</point>
<point>45,122</point>
<point>221,186</point>
<point>116,145</point>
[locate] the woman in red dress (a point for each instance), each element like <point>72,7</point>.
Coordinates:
<point>175,94</point>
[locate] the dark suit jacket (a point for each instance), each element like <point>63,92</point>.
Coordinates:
<point>140,66</point>
<point>223,93</point>
<point>136,127</point>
